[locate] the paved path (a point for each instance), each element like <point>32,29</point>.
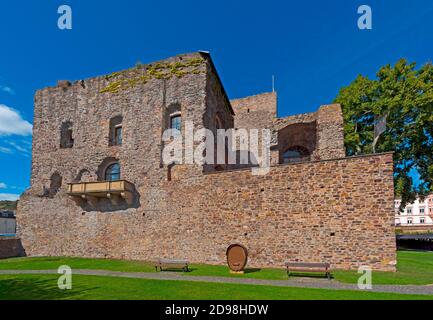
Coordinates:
<point>293,282</point>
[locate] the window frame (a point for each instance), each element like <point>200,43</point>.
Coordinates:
<point>116,122</point>
<point>116,140</point>
<point>108,173</point>
<point>176,115</point>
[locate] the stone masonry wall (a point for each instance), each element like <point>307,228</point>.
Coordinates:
<point>330,132</point>
<point>10,248</point>
<point>339,211</point>
<point>255,112</point>
<point>321,132</point>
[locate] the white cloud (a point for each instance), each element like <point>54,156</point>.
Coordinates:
<point>24,149</point>
<point>6,150</point>
<point>9,196</point>
<point>3,185</point>
<point>7,89</point>
<point>11,123</point>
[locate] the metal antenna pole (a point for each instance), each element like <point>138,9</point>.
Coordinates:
<point>273,83</point>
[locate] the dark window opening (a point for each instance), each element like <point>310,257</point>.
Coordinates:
<point>115,138</point>
<point>296,154</point>
<point>113,172</point>
<point>66,138</point>
<point>118,135</point>
<point>176,122</point>
<point>170,172</point>
<point>55,185</point>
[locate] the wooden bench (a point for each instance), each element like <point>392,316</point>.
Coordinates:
<point>309,267</point>
<point>171,264</point>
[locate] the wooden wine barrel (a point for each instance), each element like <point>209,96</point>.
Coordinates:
<point>237,257</point>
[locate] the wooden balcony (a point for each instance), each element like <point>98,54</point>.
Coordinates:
<point>93,191</point>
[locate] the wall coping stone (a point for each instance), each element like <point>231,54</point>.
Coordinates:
<point>372,155</point>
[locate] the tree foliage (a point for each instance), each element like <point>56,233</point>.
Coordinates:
<point>405,95</point>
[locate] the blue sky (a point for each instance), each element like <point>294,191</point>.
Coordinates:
<point>312,47</point>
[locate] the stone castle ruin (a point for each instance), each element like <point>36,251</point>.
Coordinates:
<point>99,187</point>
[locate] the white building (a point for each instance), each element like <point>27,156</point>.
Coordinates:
<point>419,213</point>
<point>7,222</point>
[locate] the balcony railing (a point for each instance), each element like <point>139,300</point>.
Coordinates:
<point>93,191</point>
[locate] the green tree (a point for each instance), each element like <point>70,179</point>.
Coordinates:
<point>404,94</point>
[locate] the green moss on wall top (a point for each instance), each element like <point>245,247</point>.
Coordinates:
<point>160,70</point>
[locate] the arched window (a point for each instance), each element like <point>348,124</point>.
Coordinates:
<point>112,173</point>
<point>296,154</point>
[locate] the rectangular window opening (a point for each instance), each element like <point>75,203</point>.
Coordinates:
<point>118,135</point>
<point>176,122</point>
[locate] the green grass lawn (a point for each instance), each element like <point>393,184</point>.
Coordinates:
<point>413,268</point>
<point>44,287</point>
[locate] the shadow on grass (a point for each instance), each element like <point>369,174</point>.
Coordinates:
<point>308,275</point>
<point>191,270</point>
<point>38,289</point>
<point>252,270</point>
<point>176,270</point>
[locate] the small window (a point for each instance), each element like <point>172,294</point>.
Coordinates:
<point>409,221</point>
<point>421,210</point>
<point>117,135</point>
<point>115,138</point>
<point>66,138</point>
<point>292,154</point>
<point>296,154</point>
<point>422,220</point>
<point>176,122</point>
<point>409,210</point>
<point>113,172</point>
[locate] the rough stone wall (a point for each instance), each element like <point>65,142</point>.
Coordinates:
<point>255,112</point>
<point>330,132</point>
<point>339,211</point>
<point>143,109</point>
<point>219,112</point>
<point>217,104</point>
<point>321,132</point>
<point>297,135</point>
<point>10,248</point>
